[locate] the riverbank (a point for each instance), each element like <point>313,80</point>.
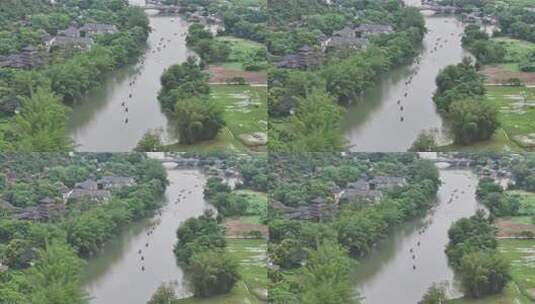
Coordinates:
<point>115,117</point>
<point>231,64</point>
<point>54,65</point>
<point>396,255</point>
<point>242,212</point>
<point>140,258</point>
<point>514,221</point>
<point>400,107</point>
<point>90,198</point>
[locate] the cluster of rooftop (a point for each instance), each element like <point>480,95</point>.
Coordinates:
<point>363,191</point>
<point>89,191</point>
<point>354,37</point>
<point>73,37</point>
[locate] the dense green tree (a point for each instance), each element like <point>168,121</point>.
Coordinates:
<point>488,51</point>
<point>198,235</point>
<point>326,276</point>
<point>314,127</point>
<point>436,294</point>
<point>181,82</point>
<point>501,205</point>
<point>54,279</point>
<point>473,33</point>
<point>198,120</point>
<point>472,120</point>
<point>469,235</point>
<point>425,142</point>
<point>483,274</point>
<point>457,82</point>
<point>150,142</point>
<point>487,186</point>
<point>41,125</point>
<point>164,295</point>
<point>197,32</point>
<point>213,272</point>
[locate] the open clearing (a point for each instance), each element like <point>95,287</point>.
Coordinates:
<point>245,112</point>
<point>516,107</point>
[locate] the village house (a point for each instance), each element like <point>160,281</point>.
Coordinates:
<point>345,38</point>
<point>354,37</point>
<point>88,190</point>
<point>94,29</point>
<point>81,43</point>
<point>370,191</point>
<point>47,210</point>
<point>317,210</point>
<point>368,30</point>
<point>30,57</point>
<point>111,182</point>
<point>305,58</point>
<point>385,182</point>
<point>88,184</point>
<point>81,38</point>
<point>89,195</point>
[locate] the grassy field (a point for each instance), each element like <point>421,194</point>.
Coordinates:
<point>245,112</point>
<point>242,50</point>
<point>516,107</point>
<point>245,108</point>
<point>252,257</point>
<point>521,255</point>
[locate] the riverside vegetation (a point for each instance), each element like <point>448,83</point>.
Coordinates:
<point>224,254</point>
<point>316,236</point>
<point>47,230</point>
<point>34,102</point>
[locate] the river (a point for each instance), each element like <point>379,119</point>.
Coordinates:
<point>387,274</point>
<point>115,276</point>
<point>98,122</point>
<point>377,122</point>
